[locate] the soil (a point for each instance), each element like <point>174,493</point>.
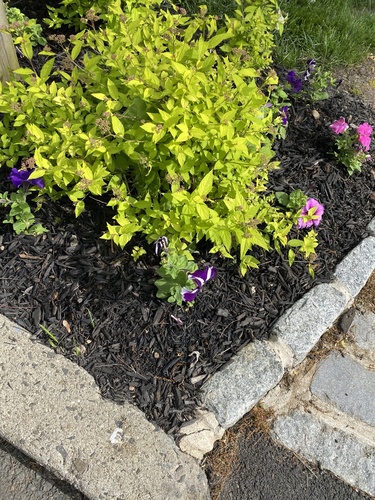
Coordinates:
<point>101,306</point>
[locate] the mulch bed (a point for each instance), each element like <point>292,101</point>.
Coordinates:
<point>101,306</point>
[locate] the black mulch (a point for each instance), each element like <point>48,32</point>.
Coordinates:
<point>101,306</point>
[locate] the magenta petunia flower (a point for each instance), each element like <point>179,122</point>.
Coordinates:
<point>364,129</point>
<point>339,126</point>
<point>21,178</point>
<point>316,215</point>
<point>365,141</point>
<point>200,278</point>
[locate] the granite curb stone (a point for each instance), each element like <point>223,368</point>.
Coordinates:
<point>356,268</point>
<point>248,376</point>
<point>371,227</point>
<point>52,410</point>
<point>301,326</point>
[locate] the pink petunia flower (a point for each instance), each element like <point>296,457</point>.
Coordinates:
<point>364,129</point>
<point>339,126</point>
<point>365,141</point>
<point>316,215</point>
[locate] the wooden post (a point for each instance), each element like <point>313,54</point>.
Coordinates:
<point>8,56</point>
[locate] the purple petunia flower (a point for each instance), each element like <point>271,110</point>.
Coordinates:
<point>189,295</point>
<point>295,82</point>
<point>284,114</point>
<point>317,214</point>
<point>200,278</point>
<point>21,178</point>
<point>161,245</point>
<point>311,64</point>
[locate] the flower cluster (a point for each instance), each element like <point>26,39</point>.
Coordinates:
<point>294,81</point>
<point>200,278</point>
<point>352,144</point>
<point>313,83</point>
<point>311,214</point>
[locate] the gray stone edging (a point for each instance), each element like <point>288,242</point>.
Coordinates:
<point>52,410</point>
<point>234,390</point>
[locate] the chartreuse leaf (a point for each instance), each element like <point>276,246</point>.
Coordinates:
<point>117,126</point>
<point>205,186</point>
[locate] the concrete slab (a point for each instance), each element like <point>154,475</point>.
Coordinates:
<point>52,410</point>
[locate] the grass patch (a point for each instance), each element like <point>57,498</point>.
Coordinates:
<point>335,32</point>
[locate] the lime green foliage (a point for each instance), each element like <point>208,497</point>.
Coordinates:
<point>165,114</point>
<point>24,29</point>
<point>74,12</point>
<point>293,203</point>
<point>335,32</point>
<point>306,246</point>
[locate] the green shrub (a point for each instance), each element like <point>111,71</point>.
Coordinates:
<point>167,115</point>
<point>21,26</point>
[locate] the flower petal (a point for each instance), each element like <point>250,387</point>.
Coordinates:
<point>364,129</point>
<point>18,177</point>
<point>189,295</point>
<point>201,276</point>
<point>339,126</point>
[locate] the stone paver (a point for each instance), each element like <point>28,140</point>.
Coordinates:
<point>327,413</point>
<point>363,331</point>
<point>345,383</point>
<point>349,456</point>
